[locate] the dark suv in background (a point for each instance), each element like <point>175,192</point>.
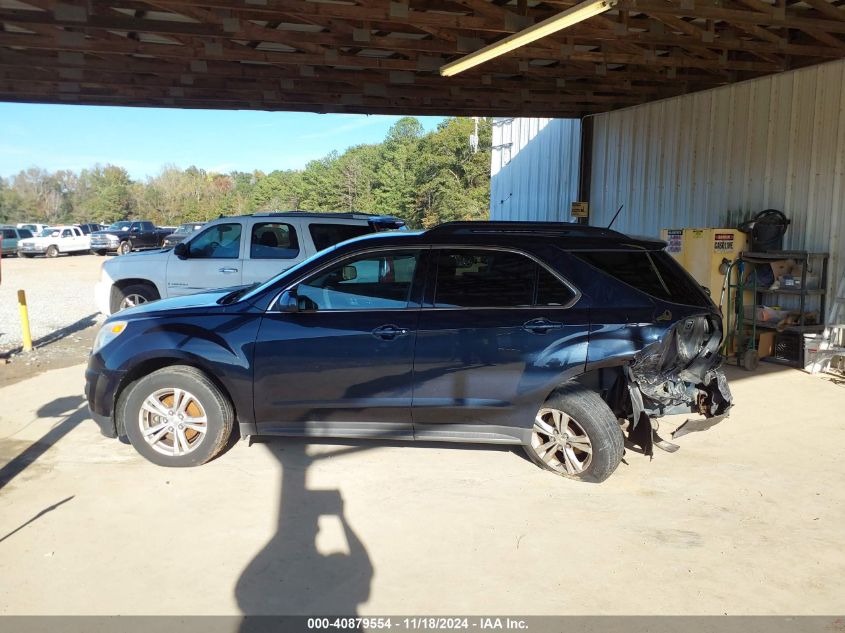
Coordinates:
<point>557,337</point>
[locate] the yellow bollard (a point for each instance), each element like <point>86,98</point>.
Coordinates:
<point>27,337</point>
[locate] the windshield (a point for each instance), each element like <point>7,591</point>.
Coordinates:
<point>119,226</point>
<point>50,233</point>
<point>184,229</point>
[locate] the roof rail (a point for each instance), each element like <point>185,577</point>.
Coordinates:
<point>568,229</point>
<point>351,215</point>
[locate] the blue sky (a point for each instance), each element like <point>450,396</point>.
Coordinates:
<point>144,139</point>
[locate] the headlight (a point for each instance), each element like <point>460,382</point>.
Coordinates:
<point>107,334</point>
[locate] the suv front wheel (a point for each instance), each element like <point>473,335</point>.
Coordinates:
<point>175,417</point>
<point>576,435</point>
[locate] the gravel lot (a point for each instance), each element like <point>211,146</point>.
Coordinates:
<point>59,292</point>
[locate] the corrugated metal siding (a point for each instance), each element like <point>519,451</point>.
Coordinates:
<point>713,158</point>
<point>534,168</point>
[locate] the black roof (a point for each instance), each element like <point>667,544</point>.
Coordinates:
<point>519,234</point>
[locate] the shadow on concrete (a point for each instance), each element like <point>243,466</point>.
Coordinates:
<point>290,575</point>
<point>36,517</point>
<point>82,324</point>
<point>60,406</point>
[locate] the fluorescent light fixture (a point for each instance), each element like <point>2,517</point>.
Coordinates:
<point>573,15</point>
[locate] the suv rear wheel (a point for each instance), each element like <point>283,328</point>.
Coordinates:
<point>576,435</point>
<point>175,417</point>
<point>131,296</point>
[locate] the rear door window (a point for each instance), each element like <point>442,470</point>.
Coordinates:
<point>9,234</point>
<point>652,272</point>
<point>468,278</point>
<point>326,235</point>
<point>273,240</point>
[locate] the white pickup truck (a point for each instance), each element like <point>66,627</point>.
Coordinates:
<point>228,252</point>
<point>55,240</point>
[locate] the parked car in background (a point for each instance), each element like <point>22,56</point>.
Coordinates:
<point>181,232</point>
<point>548,336</point>
<point>90,227</point>
<point>35,227</point>
<point>11,235</point>
<point>127,236</point>
<point>229,252</point>
<point>55,240</point>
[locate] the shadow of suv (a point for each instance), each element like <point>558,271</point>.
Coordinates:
<point>549,336</point>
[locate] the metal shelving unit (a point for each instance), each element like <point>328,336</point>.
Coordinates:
<point>746,345</point>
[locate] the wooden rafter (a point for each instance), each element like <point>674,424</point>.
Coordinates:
<point>384,55</point>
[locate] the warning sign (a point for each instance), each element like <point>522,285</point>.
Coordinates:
<point>675,240</point>
<point>723,241</point>
<point>580,209</point>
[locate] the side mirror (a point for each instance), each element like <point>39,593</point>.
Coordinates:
<point>181,250</point>
<point>288,302</point>
<point>349,273</point>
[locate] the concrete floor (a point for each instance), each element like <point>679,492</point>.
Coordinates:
<point>747,518</point>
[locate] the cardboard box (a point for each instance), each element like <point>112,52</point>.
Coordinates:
<point>766,344</point>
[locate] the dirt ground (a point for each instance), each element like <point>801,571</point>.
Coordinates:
<point>63,317</point>
<point>747,518</point>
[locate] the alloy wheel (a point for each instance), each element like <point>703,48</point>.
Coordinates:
<point>130,301</point>
<point>560,442</point>
<point>172,421</point>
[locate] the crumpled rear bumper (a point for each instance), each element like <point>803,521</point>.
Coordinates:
<point>660,382</point>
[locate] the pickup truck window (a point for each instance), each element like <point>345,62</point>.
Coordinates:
<point>67,233</point>
<point>147,226</point>
<point>119,226</point>
<point>273,240</point>
<point>325,235</point>
<point>25,233</point>
<point>221,241</point>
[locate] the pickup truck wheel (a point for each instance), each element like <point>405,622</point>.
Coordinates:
<point>576,435</point>
<point>175,417</point>
<point>52,251</point>
<point>131,296</point>
<point>99,252</point>
<point>124,248</point>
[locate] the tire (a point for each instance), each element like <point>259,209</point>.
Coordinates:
<point>99,252</point>
<point>132,295</point>
<point>124,248</point>
<point>582,413</point>
<point>750,360</point>
<point>200,396</point>
<point>52,251</point>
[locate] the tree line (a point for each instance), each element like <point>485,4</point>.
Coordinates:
<point>423,178</point>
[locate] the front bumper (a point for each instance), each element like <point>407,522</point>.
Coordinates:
<point>99,244</point>
<point>32,248</point>
<point>102,296</point>
<point>100,389</point>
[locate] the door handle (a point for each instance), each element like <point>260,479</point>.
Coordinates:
<point>541,326</point>
<point>389,332</point>
<point>228,271</point>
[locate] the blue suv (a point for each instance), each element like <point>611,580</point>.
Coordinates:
<point>558,337</point>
